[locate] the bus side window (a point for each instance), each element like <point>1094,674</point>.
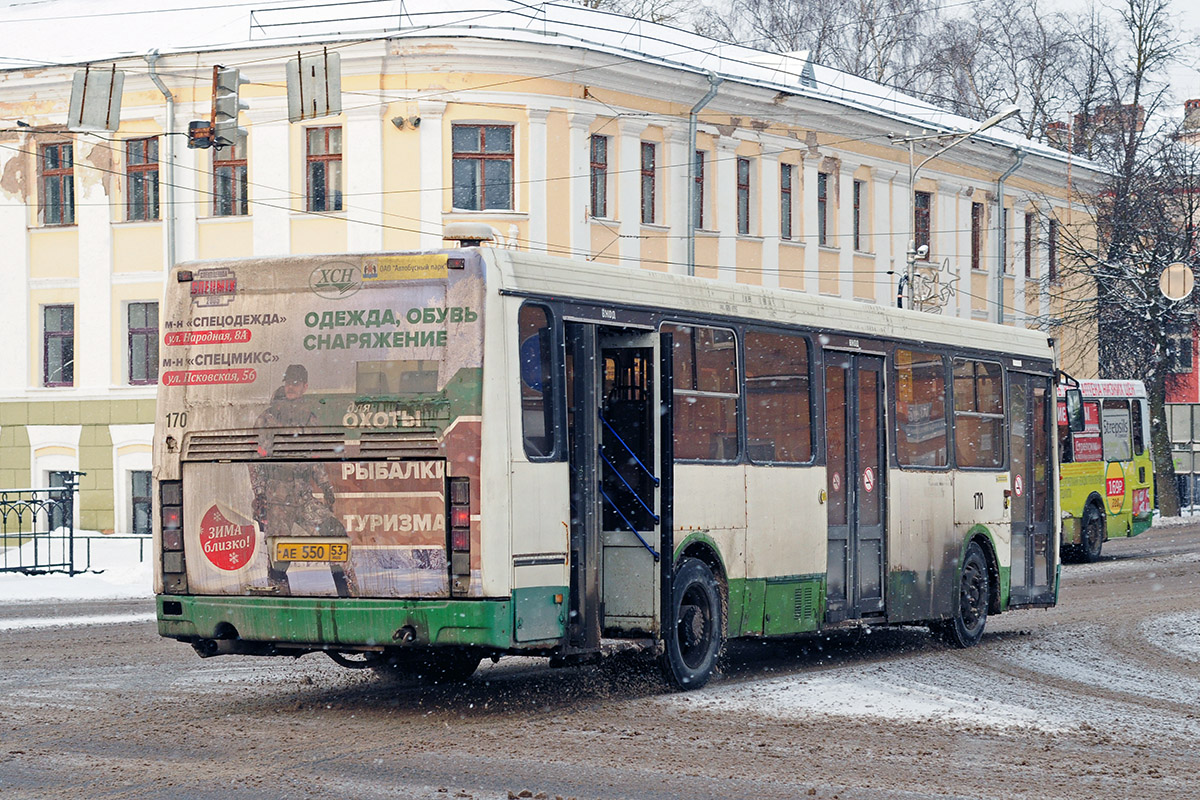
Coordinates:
<point>920,409</point>
<point>706,393</point>
<point>778,398</point>
<point>978,414</point>
<point>1114,430</point>
<point>1139,439</point>
<point>536,337</point>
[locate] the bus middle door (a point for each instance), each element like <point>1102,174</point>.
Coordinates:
<point>615,444</point>
<point>1031,400</point>
<point>855,471</point>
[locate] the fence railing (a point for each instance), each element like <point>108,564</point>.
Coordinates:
<point>37,528</point>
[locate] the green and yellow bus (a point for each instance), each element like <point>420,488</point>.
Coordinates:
<point>414,461</point>
<point>1106,476</point>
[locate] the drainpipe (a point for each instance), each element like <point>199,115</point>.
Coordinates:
<point>713,83</point>
<point>1001,240</point>
<point>151,58</point>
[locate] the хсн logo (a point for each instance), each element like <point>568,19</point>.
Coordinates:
<point>335,280</point>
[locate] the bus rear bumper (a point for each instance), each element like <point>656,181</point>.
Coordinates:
<point>264,625</point>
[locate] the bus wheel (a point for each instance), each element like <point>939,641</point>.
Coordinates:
<point>430,666</point>
<point>1092,535</point>
<point>965,628</point>
<point>692,646</point>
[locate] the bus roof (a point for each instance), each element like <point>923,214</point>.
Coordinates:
<point>540,275</point>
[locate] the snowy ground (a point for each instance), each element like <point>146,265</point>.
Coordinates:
<point>116,574</point>
<point>910,689</point>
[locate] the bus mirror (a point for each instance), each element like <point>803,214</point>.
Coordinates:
<point>1074,400</point>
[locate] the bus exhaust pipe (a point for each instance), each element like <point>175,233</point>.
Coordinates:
<point>406,635</point>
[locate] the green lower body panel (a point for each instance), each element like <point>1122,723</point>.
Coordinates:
<point>776,606</point>
<point>349,622</point>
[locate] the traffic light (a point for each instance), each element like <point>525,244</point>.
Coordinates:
<point>226,105</point>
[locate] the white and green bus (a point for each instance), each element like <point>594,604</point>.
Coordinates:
<point>414,461</point>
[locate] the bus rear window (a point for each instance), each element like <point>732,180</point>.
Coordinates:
<point>536,335</point>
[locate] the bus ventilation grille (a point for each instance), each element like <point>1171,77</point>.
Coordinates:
<point>374,444</point>
<point>806,603</point>
<point>281,444</point>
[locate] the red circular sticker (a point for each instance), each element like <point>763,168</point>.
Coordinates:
<point>868,479</point>
<point>225,543</point>
<point>837,481</point>
<point>1018,485</point>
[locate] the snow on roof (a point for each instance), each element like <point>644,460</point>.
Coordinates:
<point>60,32</point>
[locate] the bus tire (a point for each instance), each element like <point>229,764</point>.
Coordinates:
<point>692,646</point>
<point>965,628</point>
<point>1091,535</point>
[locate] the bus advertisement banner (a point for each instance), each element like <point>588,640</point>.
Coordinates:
<point>315,364</point>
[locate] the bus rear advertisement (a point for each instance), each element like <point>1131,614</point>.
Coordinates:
<point>414,461</point>
<point>1106,476</point>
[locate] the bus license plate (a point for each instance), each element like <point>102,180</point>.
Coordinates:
<point>312,551</point>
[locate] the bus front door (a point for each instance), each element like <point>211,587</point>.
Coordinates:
<point>1031,486</point>
<point>855,471</point>
<point>614,430</point>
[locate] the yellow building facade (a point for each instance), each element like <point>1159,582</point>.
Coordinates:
<point>560,134</point>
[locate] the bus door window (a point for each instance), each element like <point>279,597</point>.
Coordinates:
<point>839,488</point>
<point>627,408</point>
<point>1139,435</point>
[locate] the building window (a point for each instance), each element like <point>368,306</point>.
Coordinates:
<point>698,198</point>
<point>976,235</point>
<point>139,501</point>
<point>1179,351</point>
<point>822,208</point>
<point>922,201</point>
<point>599,176</point>
<point>230,198</point>
<point>141,174</point>
<point>1052,250</point>
<point>743,196</point>
<point>1029,245</point>
<point>785,201</point>
<point>324,163</point>
<point>58,184</point>
<point>143,343</point>
<point>858,192</point>
<point>483,166</point>
<point>648,199</point>
<point>58,345</point>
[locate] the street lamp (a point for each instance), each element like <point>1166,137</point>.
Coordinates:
<point>996,119</point>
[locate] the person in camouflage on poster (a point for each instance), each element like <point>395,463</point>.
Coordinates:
<point>284,501</point>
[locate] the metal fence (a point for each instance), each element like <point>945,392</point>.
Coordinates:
<point>37,528</point>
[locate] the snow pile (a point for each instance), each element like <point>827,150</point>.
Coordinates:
<point>116,573</point>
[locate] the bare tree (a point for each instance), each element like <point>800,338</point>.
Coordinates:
<point>665,11</point>
<point>1144,216</point>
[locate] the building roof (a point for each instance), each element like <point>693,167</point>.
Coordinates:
<point>42,33</point>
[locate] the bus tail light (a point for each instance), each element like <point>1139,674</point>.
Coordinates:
<point>170,495</point>
<point>460,535</point>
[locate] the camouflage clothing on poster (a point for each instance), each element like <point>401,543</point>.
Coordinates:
<point>286,502</point>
